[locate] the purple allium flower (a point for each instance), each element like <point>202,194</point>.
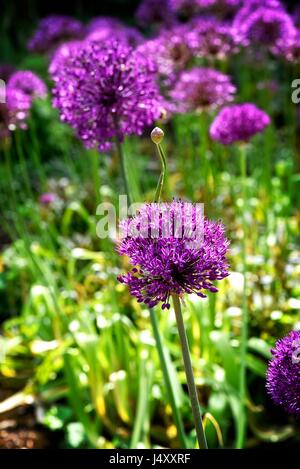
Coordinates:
<point>249,6</point>
<point>62,54</point>
<point>210,37</point>
<point>283,375</point>
<point>47,198</point>
<point>103,22</point>
<point>170,51</point>
<point>105,91</point>
<point>151,12</point>
<point>29,83</point>
<point>22,89</point>
<point>265,26</point>
<point>201,89</point>
<point>238,123</point>
<point>289,49</point>
<point>53,30</point>
<point>105,28</point>
<point>167,256</point>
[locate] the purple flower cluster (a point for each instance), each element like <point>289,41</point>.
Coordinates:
<point>289,49</point>
<point>212,38</point>
<point>283,376</point>
<point>22,89</point>
<point>105,28</point>
<point>164,257</point>
<point>62,54</point>
<point>201,89</point>
<point>263,26</point>
<point>250,6</point>
<point>53,30</point>
<point>238,123</point>
<point>170,51</point>
<point>107,90</point>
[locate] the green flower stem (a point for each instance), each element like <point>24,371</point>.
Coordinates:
<point>22,162</point>
<point>244,326</point>
<point>162,176</point>
<point>36,154</point>
<point>189,374</point>
<point>167,380</point>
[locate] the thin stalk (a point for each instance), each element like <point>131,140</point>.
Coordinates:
<point>22,162</point>
<point>189,374</point>
<point>37,154</point>
<point>162,176</point>
<point>142,404</point>
<point>167,380</point>
<point>244,326</point>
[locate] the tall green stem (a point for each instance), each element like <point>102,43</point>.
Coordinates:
<point>244,326</point>
<point>22,162</point>
<point>162,176</point>
<point>167,379</point>
<point>189,374</point>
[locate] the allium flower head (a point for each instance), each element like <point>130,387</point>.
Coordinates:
<point>53,30</point>
<point>170,255</point>
<point>210,37</point>
<point>238,123</point>
<point>289,49</point>
<point>105,28</point>
<point>249,6</point>
<point>151,12</point>
<point>107,90</point>
<point>265,26</point>
<point>62,54</point>
<point>201,89</point>
<point>22,89</point>
<point>170,51</point>
<point>283,376</point>
<point>29,83</point>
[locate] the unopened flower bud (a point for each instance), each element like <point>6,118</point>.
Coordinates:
<point>157,135</point>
